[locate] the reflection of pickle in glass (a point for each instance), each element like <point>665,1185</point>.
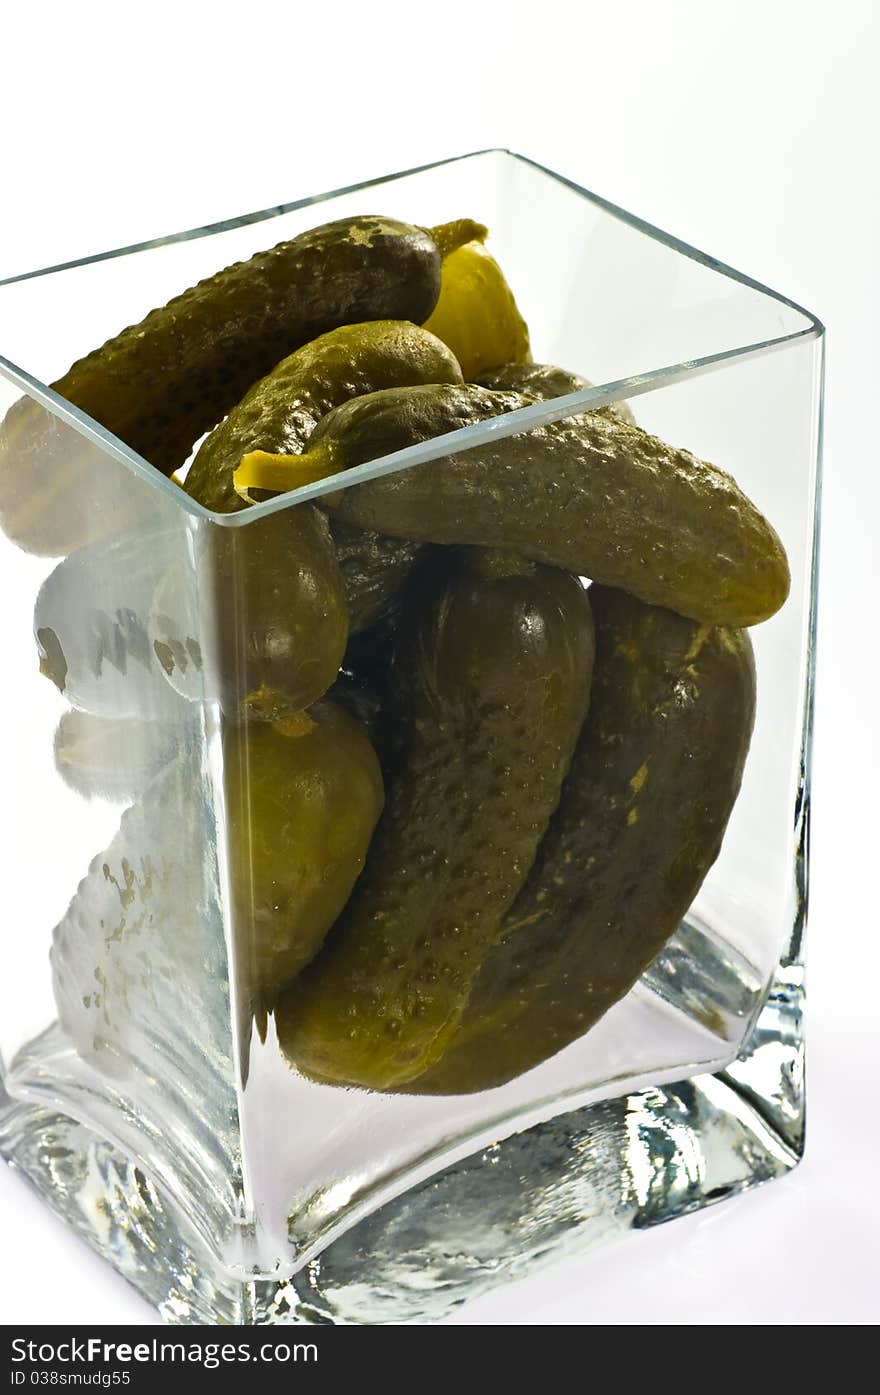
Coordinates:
<point>113,758</point>
<point>61,490</point>
<point>139,961</point>
<point>92,626</point>
<point>495,656</point>
<point>643,811</point>
<point>173,631</point>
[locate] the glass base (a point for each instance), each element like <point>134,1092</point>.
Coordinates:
<point>554,1190</point>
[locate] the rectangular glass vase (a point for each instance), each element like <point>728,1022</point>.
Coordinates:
<point>148,1088</point>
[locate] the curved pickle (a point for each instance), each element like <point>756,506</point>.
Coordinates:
<point>589,494</point>
<point>280,412</point>
<point>161,383</point>
<point>643,812</point>
<point>497,660</point>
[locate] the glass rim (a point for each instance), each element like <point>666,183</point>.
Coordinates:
<point>451,443</point>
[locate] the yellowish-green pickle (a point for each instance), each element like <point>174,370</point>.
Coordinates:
<point>476,314</point>
<point>281,621</point>
<point>590,494</point>
<point>496,656</point>
<point>303,796</point>
<point>640,822</point>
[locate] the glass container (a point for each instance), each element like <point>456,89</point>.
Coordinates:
<point>148,1089</point>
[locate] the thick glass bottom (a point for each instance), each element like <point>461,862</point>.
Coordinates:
<point>558,1188</point>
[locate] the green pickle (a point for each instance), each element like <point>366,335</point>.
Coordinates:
<point>545,381</point>
<point>590,494</point>
<point>161,383</point>
<point>280,412</point>
<point>374,570</point>
<point>561,759</point>
<point>303,796</point>
<point>641,819</point>
<point>281,622</point>
<point>495,658</point>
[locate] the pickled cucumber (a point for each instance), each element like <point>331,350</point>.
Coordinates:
<point>374,569</point>
<point>160,384</point>
<point>450,236</point>
<point>641,819</point>
<point>497,656</point>
<point>589,494</point>
<point>280,616</point>
<point>280,412</point>
<point>303,797</point>
<point>476,314</point>
<point>543,380</point>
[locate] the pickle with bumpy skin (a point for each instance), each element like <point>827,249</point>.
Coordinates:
<point>280,412</point>
<point>543,380</point>
<point>160,384</point>
<point>590,494</point>
<point>496,657</point>
<point>303,796</point>
<point>643,812</point>
<point>374,570</point>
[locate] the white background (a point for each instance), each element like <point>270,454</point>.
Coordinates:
<point>749,129</point>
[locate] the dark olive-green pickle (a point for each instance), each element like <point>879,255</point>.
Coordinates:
<point>643,811</point>
<point>590,494</point>
<point>496,656</point>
